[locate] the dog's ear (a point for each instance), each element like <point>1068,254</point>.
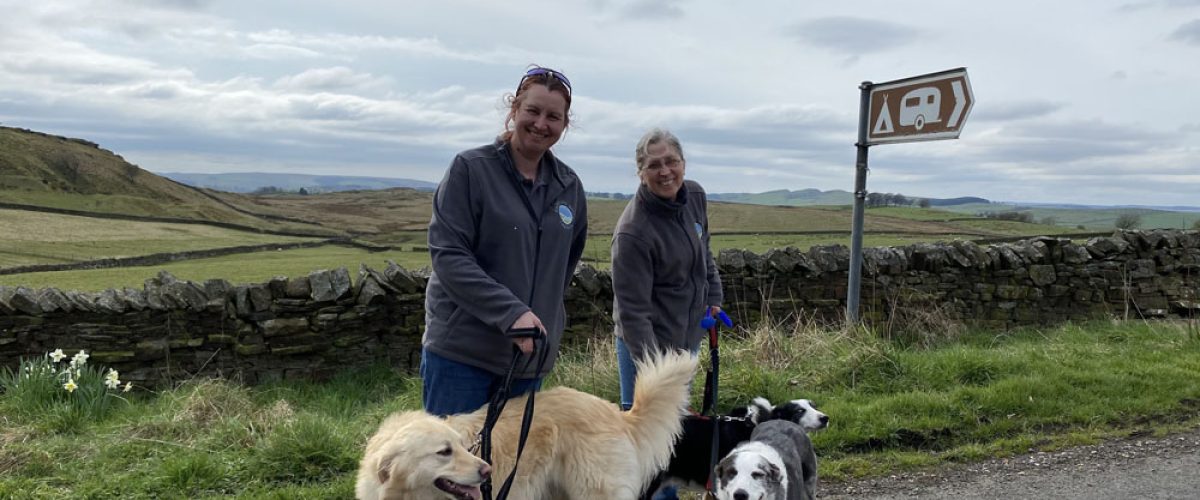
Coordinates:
<point>774,473</point>
<point>384,471</point>
<point>759,410</point>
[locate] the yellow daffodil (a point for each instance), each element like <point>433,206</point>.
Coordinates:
<point>70,385</point>
<point>57,355</point>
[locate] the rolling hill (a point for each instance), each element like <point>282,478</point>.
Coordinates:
<point>248,182</point>
<point>809,197</point>
<point>76,175</point>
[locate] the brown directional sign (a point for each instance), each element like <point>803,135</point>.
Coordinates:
<point>921,108</point>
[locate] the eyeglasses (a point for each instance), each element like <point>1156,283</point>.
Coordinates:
<point>667,163</point>
<point>538,70</point>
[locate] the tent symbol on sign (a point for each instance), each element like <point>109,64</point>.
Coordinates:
<point>921,106</point>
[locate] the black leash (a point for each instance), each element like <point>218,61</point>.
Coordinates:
<point>710,404</point>
<point>710,393</point>
<point>496,407</point>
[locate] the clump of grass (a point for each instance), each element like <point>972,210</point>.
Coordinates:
<point>190,474</point>
<point>919,319</point>
<point>310,448</point>
<point>589,366</point>
<point>207,401</point>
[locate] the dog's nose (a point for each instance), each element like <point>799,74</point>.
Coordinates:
<point>824,419</point>
<point>485,471</point>
<point>741,495</point>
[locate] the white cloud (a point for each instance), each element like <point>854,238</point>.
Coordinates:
<point>1188,33</point>
<point>854,35</point>
<point>761,94</point>
<point>331,79</point>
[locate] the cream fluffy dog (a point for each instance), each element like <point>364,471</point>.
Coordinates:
<point>580,446</point>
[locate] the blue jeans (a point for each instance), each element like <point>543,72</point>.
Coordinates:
<point>451,387</point>
<point>627,372</point>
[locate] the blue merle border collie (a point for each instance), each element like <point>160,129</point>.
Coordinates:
<point>690,465</point>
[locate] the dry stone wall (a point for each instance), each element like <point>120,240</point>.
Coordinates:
<point>313,326</point>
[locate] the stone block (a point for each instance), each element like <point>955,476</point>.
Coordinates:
<point>111,357</point>
<point>1042,275</point>
<point>284,326</point>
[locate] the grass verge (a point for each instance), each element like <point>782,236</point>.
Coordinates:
<point>959,397</point>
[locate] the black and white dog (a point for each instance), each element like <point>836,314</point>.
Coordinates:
<point>690,461</point>
<point>777,463</point>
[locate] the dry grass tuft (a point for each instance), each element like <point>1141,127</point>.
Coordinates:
<point>211,400</point>
<point>920,319</point>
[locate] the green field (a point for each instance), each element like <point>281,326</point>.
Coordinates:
<point>396,218</point>
<point>44,238</point>
<point>40,238</point>
<point>1096,219</point>
<point>256,267</point>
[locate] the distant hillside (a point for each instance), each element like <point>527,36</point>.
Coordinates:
<point>44,170</point>
<point>948,202</point>
<point>1072,206</point>
<point>249,182</point>
<point>802,197</point>
<point>807,197</point>
<point>1087,217</point>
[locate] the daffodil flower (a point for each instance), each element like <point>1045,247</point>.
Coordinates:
<point>112,379</point>
<point>70,385</point>
<point>128,386</point>
<point>57,355</point>
<point>79,359</point>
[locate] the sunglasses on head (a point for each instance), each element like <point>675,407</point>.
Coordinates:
<point>538,70</point>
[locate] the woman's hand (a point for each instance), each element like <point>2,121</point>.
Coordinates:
<point>527,320</point>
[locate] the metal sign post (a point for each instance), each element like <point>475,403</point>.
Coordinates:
<point>921,108</point>
<point>860,198</point>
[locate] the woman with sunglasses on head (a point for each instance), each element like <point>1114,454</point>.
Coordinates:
<point>663,273</point>
<point>509,225</point>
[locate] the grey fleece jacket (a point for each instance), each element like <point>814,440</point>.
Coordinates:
<point>496,256</point>
<point>663,272</point>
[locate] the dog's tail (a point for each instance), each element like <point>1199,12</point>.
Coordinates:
<point>660,398</point>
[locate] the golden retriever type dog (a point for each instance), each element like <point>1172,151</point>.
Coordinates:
<point>580,447</point>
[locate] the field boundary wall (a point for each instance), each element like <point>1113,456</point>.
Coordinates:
<point>312,326</point>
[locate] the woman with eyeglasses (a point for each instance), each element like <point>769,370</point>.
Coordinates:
<point>663,274</point>
<point>509,225</point>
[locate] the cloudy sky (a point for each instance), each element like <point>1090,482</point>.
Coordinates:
<point>1079,101</point>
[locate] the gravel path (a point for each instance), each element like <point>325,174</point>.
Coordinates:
<point>1142,468</point>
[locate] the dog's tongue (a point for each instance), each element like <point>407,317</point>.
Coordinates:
<point>474,493</point>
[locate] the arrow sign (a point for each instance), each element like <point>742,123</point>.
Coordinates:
<point>920,108</point>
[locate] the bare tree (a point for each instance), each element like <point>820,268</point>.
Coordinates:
<point>1128,220</point>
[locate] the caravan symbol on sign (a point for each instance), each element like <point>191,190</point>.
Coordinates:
<point>922,108</point>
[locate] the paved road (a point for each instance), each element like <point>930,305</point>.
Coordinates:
<point>1132,468</point>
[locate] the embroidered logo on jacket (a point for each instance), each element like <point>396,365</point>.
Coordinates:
<point>699,231</point>
<point>565,214</point>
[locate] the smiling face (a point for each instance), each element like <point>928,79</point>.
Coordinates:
<point>662,170</point>
<point>539,117</point>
